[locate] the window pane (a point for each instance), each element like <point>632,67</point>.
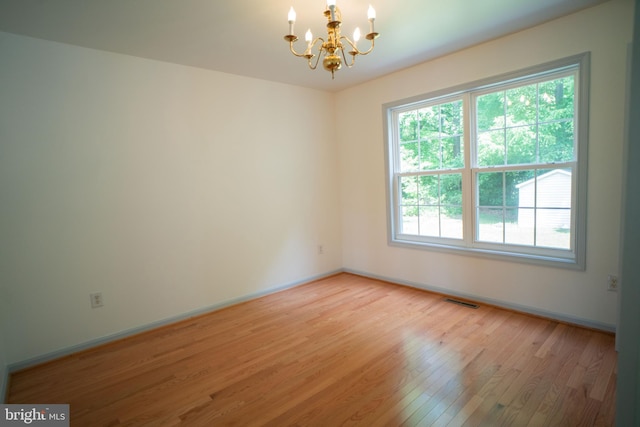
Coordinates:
<point>490,111</point>
<point>451,222</point>
<point>521,145</point>
<point>451,211</point>
<point>429,221</point>
<point>556,98</point>
<point>518,230</point>
<point>430,122</point>
<point>553,189</point>
<point>428,190</point>
<point>408,126</point>
<point>408,191</point>
<point>552,228</point>
<point>409,156</point>
<point>451,118</point>
<point>556,142</point>
<point>522,105</point>
<point>491,189</point>
<point>409,221</point>
<point>430,154</point>
<point>490,225</point>
<point>520,188</point>
<point>491,148</point>
<point>452,153</point>
<point>451,189</point>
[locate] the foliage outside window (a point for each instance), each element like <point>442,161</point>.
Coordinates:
<point>496,168</point>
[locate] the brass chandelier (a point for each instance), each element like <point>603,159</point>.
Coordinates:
<point>333,46</point>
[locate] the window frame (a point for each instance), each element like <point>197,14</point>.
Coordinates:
<point>574,258</point>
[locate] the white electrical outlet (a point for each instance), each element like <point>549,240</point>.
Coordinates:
<point>612,283</point>
<point>96,300</point>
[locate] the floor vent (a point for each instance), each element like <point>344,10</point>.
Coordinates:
<point>464,303</point>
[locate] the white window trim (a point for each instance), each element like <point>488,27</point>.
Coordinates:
<point>575,259</point>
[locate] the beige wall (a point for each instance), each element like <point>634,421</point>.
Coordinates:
<point>167,188</point>
<point>605,31</point>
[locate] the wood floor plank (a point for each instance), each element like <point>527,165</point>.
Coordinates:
<point>345,350</point>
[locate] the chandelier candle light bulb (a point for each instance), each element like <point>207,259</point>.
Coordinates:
<point>331,4</point>
<point>371,15</point>
<point>292,19</point>
<point>308,37</point>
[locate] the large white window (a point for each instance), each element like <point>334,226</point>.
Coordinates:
<point>496,167</point>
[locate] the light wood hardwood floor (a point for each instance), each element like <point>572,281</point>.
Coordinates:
<point>345,350</point>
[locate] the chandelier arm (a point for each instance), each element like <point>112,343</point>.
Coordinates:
<point>310,56</point>
<point>373,43</point>
<point>357,51</point>
<point>300,55</point>
<point>314,66</point>
<point>353,57</point>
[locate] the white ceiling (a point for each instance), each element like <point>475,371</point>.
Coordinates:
<point>245,37</point>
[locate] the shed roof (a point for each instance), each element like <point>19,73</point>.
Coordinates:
<point>543,177</point>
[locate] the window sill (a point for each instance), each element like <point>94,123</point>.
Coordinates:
<point>534,259</point>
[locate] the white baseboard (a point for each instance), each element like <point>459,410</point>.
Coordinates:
<point>24,364</point>
<point>497,303</point>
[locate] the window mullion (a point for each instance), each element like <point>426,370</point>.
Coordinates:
<point>468,198</point>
